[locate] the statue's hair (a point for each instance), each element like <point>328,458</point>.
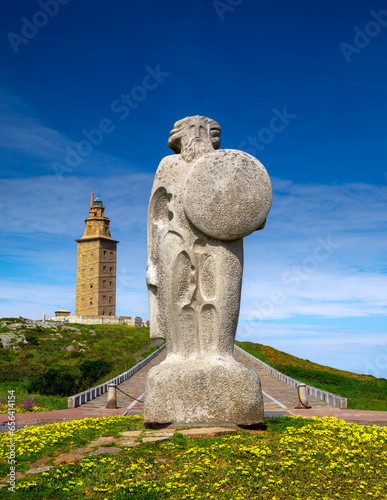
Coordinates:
<point>174,141</point>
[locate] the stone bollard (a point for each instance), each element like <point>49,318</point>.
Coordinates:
<point>112,396</point>
<point>302,397</point>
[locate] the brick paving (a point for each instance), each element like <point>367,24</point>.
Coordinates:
<point>361,417</point>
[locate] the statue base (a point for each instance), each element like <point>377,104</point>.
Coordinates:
<point>203,391</point>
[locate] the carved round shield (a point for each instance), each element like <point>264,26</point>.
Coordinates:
<point>227,194</point>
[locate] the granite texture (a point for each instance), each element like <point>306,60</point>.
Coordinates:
<point>227,194</point>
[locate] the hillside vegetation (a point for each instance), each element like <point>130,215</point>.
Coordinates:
<point>364,392</point>
<point>56,362</point>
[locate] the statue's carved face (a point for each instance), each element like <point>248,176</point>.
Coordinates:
<point>194,136</point>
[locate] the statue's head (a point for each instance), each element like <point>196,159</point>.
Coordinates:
<point>194,136</point>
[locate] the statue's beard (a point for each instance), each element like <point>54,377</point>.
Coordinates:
<point>195,149</point>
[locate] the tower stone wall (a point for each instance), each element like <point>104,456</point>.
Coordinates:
<point>96,265</point>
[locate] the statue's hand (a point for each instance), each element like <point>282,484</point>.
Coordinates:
<point>262,225</point>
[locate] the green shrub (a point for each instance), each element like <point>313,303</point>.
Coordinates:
<point>9,371</point>
<point>32,338</point>
<point>56,382</point>
<point>92,370</point>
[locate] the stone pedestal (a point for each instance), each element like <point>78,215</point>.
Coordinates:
<point>203,391</point>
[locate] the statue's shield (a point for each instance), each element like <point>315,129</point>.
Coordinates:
<point>227,194</point>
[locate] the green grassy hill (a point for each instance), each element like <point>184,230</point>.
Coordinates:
<point>55,362</point>
<point>364,392</point>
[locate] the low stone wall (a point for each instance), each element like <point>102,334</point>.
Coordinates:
<point>94,392</point>
<point>100,320</point>
<point>40,322</point>
<point>88,320</point>
<point>327,397</point>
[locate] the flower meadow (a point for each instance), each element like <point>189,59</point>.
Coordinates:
<point>34,442</point>
<point>294,458</point>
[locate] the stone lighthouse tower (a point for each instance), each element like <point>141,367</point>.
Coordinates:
<point>96,265</point>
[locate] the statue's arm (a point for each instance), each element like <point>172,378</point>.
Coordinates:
<point>157,224</point>
<point>157,217</point>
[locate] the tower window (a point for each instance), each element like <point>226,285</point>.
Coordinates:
<point>104,253</point>
<point>106,230</point>
<point>91,302</point>
<point>110,300</point>
<point>111,269</point>
<point>103,298</point>
<point>91,286</point>
<point>104,283</point>
<point>104,269</point>
<point>111,255</point>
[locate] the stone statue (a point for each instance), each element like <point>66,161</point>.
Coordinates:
<point>203,202</point>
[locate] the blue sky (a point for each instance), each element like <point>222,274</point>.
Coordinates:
<point>88,94</point>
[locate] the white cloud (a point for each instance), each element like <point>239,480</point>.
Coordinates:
<point>29,144</point>
<point>347,280</point>
<point>42,205</point>
<point>31,300</point>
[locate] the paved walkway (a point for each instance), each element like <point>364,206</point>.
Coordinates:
<point>361,417</point>
<point>278,397</point>
<point>134,386</point>
<point>276,394</point>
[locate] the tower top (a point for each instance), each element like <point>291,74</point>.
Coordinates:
<point>96,265</point>
<point>97,225</point>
